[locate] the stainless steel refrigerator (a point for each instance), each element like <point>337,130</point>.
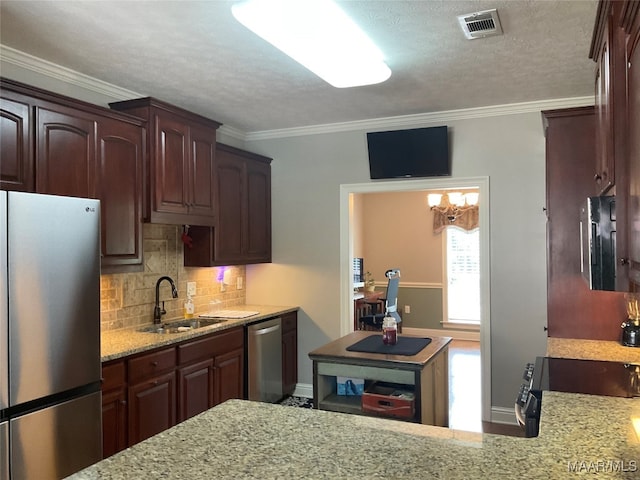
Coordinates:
<point>50,402</point>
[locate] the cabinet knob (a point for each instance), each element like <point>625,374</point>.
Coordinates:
<point>623,261</point>
<point>123,402</point>
<point>155,364</point>
<point>597,177</point>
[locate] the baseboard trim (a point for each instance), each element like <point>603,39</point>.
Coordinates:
<point>503,415</point>
<point>434,332</point>
<point>303,390</point>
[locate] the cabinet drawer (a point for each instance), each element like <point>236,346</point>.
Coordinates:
<point>289,322</point>
<point>151,364</point>
<point>196,350</point>
<point>211,346</point>
<point>113,375</point>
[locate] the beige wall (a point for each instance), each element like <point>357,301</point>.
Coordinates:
<point>359,217</point>
<point>398,233</point>
<point>127,300</point>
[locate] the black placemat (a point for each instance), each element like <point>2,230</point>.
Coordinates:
<point>405,346</point>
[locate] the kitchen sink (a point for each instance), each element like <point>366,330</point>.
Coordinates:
<point>180,326</point>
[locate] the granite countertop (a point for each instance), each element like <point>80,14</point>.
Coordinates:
<point>592,350</point>
<point>120,343</point>
<point>243,439</point>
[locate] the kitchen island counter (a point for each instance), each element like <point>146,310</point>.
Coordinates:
<point>242,439</point>
<point>121,343</point>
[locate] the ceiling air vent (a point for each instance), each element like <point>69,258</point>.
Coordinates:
<point>480,24</point>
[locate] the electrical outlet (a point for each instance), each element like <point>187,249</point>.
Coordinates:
<point>191,288</point>
<point>239,283</point>
<point>407,309</point>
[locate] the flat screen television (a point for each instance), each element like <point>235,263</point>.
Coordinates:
<point>417,152</point>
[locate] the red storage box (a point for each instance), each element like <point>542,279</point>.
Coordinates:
<point>389,400</point>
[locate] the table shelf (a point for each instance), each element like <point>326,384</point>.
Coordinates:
<point>426,371</point>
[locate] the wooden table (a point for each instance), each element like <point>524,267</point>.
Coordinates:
<point>427,372</point>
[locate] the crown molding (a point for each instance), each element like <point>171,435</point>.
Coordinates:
<point>426,118</point>
<point>58,72</point>
<point>52,70</point>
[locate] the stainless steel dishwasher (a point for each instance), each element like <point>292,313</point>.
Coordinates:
<point>264,360</point>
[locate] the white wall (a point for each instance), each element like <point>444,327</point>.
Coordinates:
<point>307,172</point>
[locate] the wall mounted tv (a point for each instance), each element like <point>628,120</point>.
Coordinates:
<point>418,152</point>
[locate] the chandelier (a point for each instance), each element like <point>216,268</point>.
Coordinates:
<point>452,204</point>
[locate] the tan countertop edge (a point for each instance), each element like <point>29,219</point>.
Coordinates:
<point>121,343</point>
<point>592,350</point>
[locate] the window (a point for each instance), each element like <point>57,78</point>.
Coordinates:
<point>463,275</point>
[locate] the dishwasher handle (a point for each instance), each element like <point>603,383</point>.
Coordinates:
<point>264,331</point>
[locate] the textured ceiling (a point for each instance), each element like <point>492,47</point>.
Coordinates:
<point>195,55</point>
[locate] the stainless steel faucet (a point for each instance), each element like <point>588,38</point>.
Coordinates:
<point>157,311</point>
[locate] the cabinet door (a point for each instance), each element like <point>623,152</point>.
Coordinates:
<point>289,360</point>
<point>114,408</point>
<point>171,162</point>
<point>258,237</point>
<point>605,174</point>
<point>152,407</point>
<point>114,422</point>
<point>228,376</point>
<point>195,387</point>
<point>65,153</point>
<point>120,157</point>
<point>232,215</point>
<point>16,156</point>
<point>633,99</point>
<point>202,195</point>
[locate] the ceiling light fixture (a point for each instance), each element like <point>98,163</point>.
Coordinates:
<point>318,35</point>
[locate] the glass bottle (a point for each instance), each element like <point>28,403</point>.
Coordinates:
<point>389,330</point>
<point>189,308</point>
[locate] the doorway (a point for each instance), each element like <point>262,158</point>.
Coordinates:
<point>346,254</point>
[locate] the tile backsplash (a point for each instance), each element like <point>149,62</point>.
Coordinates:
<point>127,299</point>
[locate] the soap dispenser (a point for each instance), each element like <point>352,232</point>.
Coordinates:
<point>189,308</point>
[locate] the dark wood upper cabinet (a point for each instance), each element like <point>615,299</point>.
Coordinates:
<point>65,152</point>
<point>243,231</point>
<point>181,167</point>
<point>573,310</point>
<point>614,48</point>
<point>16,156</point>
<point>57,145</point>
<point>258,236</point>
<point>121,150</point>
<point>603,53</point>
<point>631,25</point>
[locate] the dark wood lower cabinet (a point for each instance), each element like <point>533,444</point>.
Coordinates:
<point>289,353</point>
<point>228,376</point>
<point>152,407</point>
<point>146,393</point>
<point>114,408</point>
<point>195,387</point>
<point>114,422</point>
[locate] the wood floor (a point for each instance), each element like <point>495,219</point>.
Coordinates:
<point>465,412</point>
